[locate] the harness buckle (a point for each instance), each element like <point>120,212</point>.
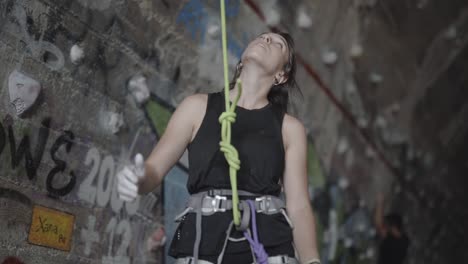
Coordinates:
<point>263,204</point>
<point>214,204</point>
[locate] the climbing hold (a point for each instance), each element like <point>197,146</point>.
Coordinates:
<point>23,90</point>
<point>356,51</point>
<point>303,19</point>
<point>213,30</point>
<point>115,122</point>
<point>139,88</point>
<point>343,183</point>
<point>76,54</point>
<point>342,146</point>
<point>329,57</point>
<point>272,14</point>
<point>375,78</point>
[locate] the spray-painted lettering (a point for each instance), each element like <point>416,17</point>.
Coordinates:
<point>33,157</point>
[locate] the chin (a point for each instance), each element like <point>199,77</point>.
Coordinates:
<point>260,62</point>
<point>254,56</point>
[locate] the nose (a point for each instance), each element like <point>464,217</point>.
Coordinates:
<point>267,38</point>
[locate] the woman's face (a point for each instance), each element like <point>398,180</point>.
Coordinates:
<point>270,50</point>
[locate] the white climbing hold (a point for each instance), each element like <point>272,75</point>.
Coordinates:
<point>213,30</point>
<point>115,122</point>
<point>23,90</point>
<point>343,183</point>
<point>362,122</point>
<point>139,88</point>
<point>303,19</point>
<point>356,51</point>
<point>76,54</point>
<point>375,77</point>
<point>342,146</point>
<point>380,122</point>
<point>329,57</point>
<point>273,16</point>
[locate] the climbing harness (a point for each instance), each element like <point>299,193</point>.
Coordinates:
<point>213,201</point>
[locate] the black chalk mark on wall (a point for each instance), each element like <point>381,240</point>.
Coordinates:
<point>67,140</point>
<point>33,157</point>
<point>24,149</point>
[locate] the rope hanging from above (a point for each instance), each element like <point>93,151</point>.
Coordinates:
<point>226,118</point>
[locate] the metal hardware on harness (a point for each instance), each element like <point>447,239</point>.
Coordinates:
<point>214,201</point>
<point>263,203</point>
<point>215,204</point>
<point>189,260</point>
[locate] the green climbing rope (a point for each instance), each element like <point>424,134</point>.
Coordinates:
<point>226,118</point>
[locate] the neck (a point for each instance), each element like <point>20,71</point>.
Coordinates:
<point>255,87</point>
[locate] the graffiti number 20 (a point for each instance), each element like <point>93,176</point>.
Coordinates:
<point>105,190</point>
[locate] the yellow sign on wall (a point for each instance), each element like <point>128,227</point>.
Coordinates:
<point>51,228</point>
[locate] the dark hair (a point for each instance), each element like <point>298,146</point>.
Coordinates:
<point>394,220</point>
<point>280,93</point>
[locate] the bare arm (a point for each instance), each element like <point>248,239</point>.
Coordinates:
<point>296,189</point>
<point>174,141</point>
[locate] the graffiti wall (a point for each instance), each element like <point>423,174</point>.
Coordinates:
<point>70,117</point>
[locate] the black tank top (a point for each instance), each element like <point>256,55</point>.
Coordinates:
<point>256,134</point>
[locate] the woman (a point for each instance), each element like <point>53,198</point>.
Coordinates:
<point>272,148</point>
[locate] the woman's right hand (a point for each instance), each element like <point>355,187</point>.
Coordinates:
<point>129,177</point>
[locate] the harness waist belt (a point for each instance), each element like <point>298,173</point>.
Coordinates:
<point>271,260</point>
<point>211,204</point>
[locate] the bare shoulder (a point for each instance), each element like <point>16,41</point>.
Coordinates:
<point>292,123</point>
<point>193,107</point>
<point>293,130</point>
<point>194,101</point>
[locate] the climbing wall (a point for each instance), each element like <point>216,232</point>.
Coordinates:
<point>85,85</point>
